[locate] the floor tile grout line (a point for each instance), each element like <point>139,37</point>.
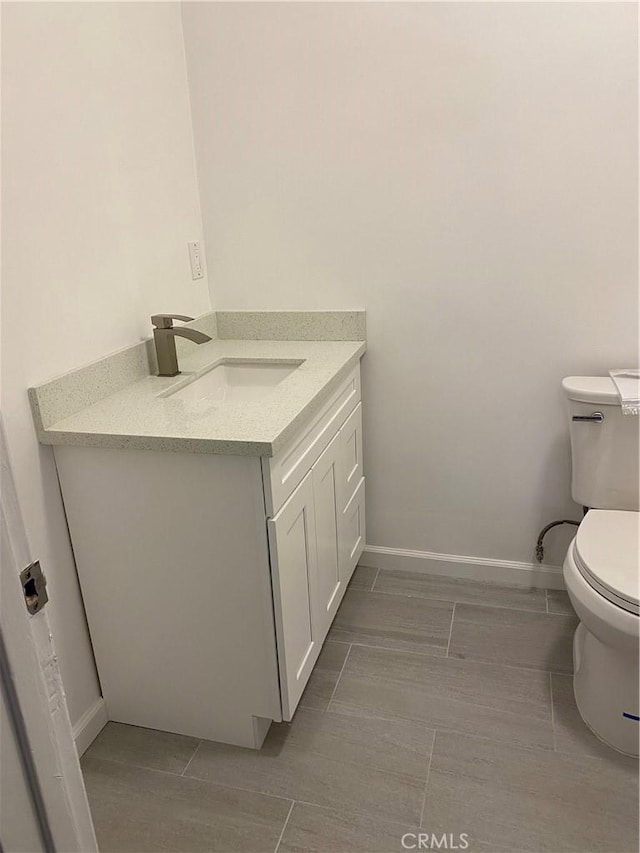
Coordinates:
<point>211,782</point>
<point>486,662</point>
<point>546,599</point>
<point>286,821</point>
<point>512,744</point>
<point>531,747</point>
<point>550,605</point>
<point>356,813</point>
<point>394,773</point>
<point>426,654</point>
<point>261,792</point>
<point>229,787</point>
<point>391,718</point>
<point>426,781</point>
<point>335,686</point>
<point>553,717</point>
<point>458,601</point>
<point>375,580</point>
<point>135,766</point>
<point>522,609</point>
<point>453,613</point>
<point>429,655</point>
<point>397,774</point>
<point>191,759</point>
<point>309,750</point>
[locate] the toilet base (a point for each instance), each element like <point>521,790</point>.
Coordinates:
<point>605,685</point>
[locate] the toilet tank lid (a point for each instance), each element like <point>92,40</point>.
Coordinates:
<point>591,389</point>
<point>607,545</point>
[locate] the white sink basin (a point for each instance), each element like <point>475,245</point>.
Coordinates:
<point>236,380</point>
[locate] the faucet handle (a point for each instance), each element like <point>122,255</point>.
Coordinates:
<point>165,321</point>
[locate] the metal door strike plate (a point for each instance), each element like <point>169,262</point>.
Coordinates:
<point>34,585</point>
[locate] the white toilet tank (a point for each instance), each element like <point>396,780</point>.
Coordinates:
<point>604,454</point>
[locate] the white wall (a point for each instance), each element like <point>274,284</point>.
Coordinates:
<point>468,174</point>
<point>99,200</point>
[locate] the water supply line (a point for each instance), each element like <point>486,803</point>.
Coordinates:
<point>543,533</point>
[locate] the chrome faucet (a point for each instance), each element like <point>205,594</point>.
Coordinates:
<point>164,336</point>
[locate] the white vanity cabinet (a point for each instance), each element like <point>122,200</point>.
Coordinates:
<point>319,527</point>
<point>210,581</point>
<point>296,594</point>
<point>314,530</point>
<point>325,478</point>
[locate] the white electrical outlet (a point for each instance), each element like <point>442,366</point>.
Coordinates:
<point>196,260</point>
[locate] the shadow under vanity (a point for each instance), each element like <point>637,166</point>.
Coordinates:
<point>216,516</point>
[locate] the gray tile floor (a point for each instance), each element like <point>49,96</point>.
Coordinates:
<point>437,706</point>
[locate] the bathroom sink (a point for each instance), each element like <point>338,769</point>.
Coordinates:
<point>236,380</point>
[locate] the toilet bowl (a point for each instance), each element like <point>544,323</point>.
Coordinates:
<point>602,577</point>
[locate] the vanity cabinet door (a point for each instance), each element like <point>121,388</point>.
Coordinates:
<point>327,477</point>
<point>351,439</point>
<point>294,571</point>
<point>352,533</point>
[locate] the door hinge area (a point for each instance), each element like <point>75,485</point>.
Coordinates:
<point>34,587</point>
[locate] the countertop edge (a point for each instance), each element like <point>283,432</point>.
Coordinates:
<point>316,402</point>
<point>181,444</point>
<point>172,444</point>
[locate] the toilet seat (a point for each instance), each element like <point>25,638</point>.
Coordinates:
<point>606,552</point>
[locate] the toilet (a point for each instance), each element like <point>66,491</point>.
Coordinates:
<point>601,569</point>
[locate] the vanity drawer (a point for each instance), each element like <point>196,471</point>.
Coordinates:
<point>283,472</point>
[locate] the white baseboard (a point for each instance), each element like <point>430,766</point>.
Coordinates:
<point>89,726</point>
<point>471,568</point>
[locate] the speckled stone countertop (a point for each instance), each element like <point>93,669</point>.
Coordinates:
<point>141,414</point>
